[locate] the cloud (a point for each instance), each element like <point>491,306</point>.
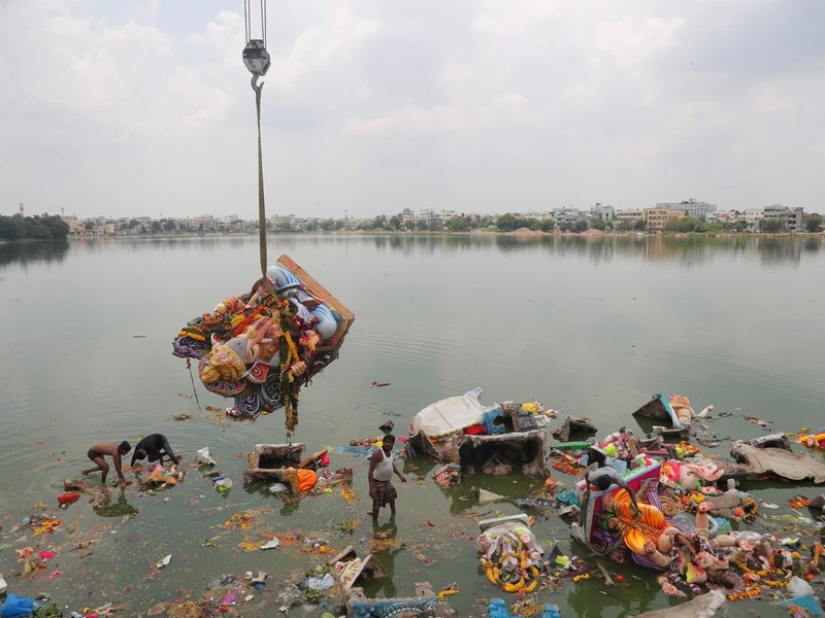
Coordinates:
<point>370,105</point>
<point>631,44</point>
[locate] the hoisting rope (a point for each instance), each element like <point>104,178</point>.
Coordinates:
<point>261,201</point>
<point>256,59</point>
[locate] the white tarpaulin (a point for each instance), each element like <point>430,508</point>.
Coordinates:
<point>451,415</point>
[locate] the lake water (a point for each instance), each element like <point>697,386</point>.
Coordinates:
<point>591,326</point>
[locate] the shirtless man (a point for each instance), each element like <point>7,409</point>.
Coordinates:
<point>115,451</point>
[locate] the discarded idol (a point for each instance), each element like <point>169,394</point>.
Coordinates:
<point>261,347</point>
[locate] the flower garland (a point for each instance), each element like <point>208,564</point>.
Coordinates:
<point>520,582</point>
<point>749,593</point>
<point>288,354</point>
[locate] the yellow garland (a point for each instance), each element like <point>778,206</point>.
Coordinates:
<point>774,584</point>
<point>291,344</point>
<point>749,593</point>
<point>191,335</point>
<point>236,319</point>
<point>581,577</point>
<point>514,587</point>
<point>446,593</point>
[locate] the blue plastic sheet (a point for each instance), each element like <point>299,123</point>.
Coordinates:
<point>17,607</point>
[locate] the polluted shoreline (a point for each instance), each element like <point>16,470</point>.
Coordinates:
<point>549,514</point>
<point>727,548</point>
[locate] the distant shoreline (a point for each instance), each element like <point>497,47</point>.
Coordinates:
<point>474,233</point>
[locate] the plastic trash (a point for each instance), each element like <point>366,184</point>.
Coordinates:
<point>165,561</point>
<point>223,486</point>
<point>271,544</point>
<point>798,587</point>
<point>277,488</point>
<point>17,607</point>
<point>3,585</point>
<point>323,583</point>
<point>204,457</point>
<point>291,596</point>
<point>807,603</point>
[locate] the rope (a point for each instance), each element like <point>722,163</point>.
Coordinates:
<point>261,202</point>
<point>194,390</point>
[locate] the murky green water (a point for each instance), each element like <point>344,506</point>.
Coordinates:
<point>591,326</point>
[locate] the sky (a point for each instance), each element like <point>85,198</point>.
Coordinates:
<point>145,108</point>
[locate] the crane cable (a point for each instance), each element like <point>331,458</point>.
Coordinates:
<point>257,60</point>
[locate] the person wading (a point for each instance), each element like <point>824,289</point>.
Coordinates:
<point>115,451</point>
<point>382,467</point>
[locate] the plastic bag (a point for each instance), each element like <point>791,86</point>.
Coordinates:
<point>291,596</point>
<point>809,604</point>
<point>17,607</point>
<point>320,583</point>
<point>799,588</point>
<point>203,457</point>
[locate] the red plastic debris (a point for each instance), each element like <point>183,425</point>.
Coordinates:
<point>68,498</point>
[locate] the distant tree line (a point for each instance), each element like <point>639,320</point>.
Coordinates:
<point>38,227</point>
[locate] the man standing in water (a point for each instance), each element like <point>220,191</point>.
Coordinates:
<point>115,451</point>
<point>380,474</point>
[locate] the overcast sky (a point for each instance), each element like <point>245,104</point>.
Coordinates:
<point>142,108</point>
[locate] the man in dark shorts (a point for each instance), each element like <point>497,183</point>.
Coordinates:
<point>155,446</point>
<point>382,467</point>
<point>115,451</point>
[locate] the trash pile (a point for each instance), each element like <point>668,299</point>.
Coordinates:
<point>261,347</point>
<point>667,506</point>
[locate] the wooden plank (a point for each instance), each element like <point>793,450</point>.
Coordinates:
<point>315,288</point>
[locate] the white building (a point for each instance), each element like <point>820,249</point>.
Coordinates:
<point>630,214</point>
<point>283,221</point>
<point>692,208</point>
<point>566,215</point>
<point>605,213</point>
<point>791,219</point>
<point>427,215</point>
<point>753,216</point>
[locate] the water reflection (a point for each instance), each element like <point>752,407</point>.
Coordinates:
<point>687,251</point>
<point>386,533</point>
<point>119,509</point>
<point>29,253</point>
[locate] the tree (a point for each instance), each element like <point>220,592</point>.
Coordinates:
<point>380,222</point>
<point>547,225</point>
<point>770,226</point>
<point>623,226</point>
<point>580,226</point>
<point>598,224</point>
<point>45,227</point>
<point>813,223</point>
<point>155,226</point>
<point>458,224</point>
<point>421,225</point>
<point>395,222</point>
<point>639,225</point>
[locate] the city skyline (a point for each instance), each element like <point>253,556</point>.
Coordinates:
<point>145,107</point>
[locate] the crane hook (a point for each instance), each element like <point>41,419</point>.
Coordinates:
<point>257,60</point>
